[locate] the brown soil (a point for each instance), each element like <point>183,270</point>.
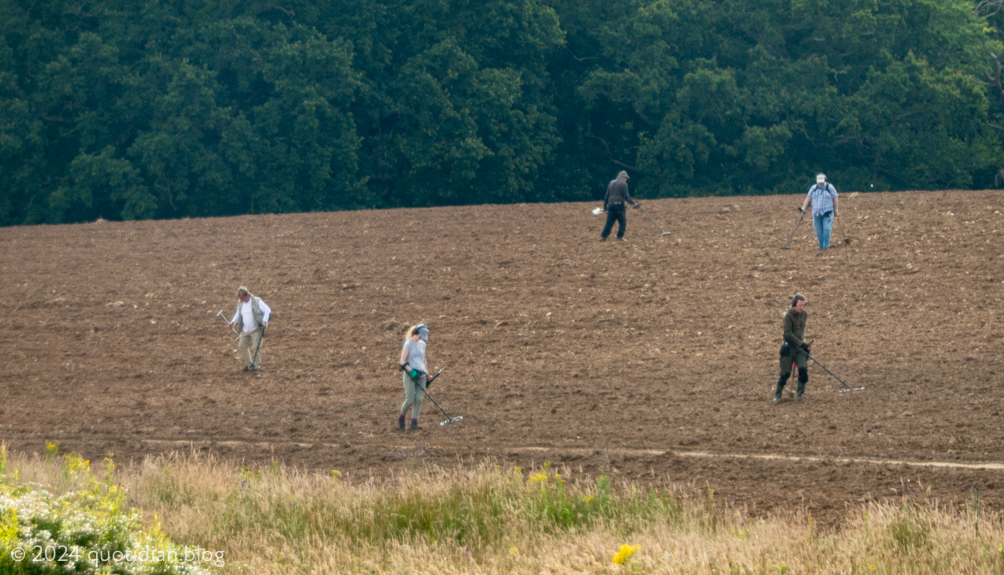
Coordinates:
<point>652,360</point>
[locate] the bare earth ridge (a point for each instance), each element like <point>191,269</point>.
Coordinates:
<point>652,360</point>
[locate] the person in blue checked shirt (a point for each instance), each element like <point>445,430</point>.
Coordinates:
<point>823,197</point>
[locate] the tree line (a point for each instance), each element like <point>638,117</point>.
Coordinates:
<point>188,108</point>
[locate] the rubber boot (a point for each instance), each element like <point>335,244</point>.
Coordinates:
<point>780,387</point>
<point>400,423</point>
<point>415,425</point>
<point>803,378</point>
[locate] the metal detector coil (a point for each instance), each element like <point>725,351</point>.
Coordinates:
<point>665,233</point>
<point>848,387</point>
<point>597,211</point>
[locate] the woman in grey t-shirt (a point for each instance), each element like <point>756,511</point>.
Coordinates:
<point>415,373</point>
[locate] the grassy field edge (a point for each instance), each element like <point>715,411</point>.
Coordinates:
<point>480,518</point>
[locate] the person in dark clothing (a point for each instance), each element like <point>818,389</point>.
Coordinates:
<point>613,204</point>
<point>794,336</point>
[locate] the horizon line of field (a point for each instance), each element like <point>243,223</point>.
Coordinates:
<point>986,465</point>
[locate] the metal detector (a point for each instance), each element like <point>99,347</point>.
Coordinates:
<point>849,388</point>
<point>254,360</point>
<point>448,419</point>
<point>841,224</point>
<point>785,246</point>
<point>650,219</point>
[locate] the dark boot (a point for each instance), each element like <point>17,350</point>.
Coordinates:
<point>415,425</point>
<point>400,423</point>
<point>780,388</point>
<point>803,378</point>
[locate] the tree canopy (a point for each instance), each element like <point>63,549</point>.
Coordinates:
<point>188,108</point>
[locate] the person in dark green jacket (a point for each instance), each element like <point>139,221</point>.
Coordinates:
<point>794,337</point>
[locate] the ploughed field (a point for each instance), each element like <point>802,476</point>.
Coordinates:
<point>651,360</point>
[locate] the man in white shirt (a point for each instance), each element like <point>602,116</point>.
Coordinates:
<point>251,318</point>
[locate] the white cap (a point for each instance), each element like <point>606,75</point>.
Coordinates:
<point>820,178</point>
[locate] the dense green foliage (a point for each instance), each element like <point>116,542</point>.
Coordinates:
<point>174,108</point>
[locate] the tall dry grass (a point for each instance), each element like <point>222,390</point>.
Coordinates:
<point>490,519</point>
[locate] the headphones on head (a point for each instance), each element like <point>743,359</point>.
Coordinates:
<point>794,300</point>
<point>418,328</point>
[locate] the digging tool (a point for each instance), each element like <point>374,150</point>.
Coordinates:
<point>840,223</point>
<point>651,220</point>
<point>448,419</point>
<point>785,246</point>
<point>849,388</point>
<point>219,314</point>
<point>429,381</point>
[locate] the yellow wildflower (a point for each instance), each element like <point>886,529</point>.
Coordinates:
<point>625,552</point>
<point>8,525</point>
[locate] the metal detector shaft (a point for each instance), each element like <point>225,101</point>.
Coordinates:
<point>651,220</point>
<point>849,388</point>
<point>449,419</point>
<point>841,224</point>
<point>254,361</point>
<point>436,403</point>
<point>785,246</point>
